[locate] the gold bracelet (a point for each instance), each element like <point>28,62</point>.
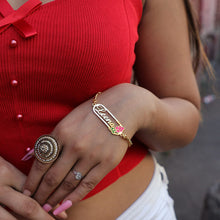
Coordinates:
<point>104,115</point>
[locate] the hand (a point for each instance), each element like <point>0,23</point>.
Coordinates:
<point>87,147</point>
<point>21,206</point>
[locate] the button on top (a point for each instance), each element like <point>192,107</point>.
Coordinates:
<point>14,82</point>
<point>13,43</point>
<point>28,149</point>
<point>19,117</point>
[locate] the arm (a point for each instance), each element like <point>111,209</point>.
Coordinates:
<point>164,67</point>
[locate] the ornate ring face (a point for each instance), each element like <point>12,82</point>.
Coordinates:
<point>46,149</point>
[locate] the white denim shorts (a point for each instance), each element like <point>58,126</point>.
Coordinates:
<point>155,202</point>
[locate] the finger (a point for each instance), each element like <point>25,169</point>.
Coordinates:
<point>62,215</point>
<point>6,215</point>
<point>17,179</point>
<point>22,205</point>
<point>48,208</point>
<point>81,168</point>
<point>12,176</point>
<point>85,186</point>
<point>37,171</point>
<point>46,151</point>
<point>54,176</point>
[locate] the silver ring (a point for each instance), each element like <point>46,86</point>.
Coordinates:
<point>46,149</point>
<point>78,175</point>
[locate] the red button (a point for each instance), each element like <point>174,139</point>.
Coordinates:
<point>14,82</point>
<point>19,117</point>
<point>13,43</point>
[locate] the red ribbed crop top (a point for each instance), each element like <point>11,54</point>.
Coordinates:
<point>54,57</point>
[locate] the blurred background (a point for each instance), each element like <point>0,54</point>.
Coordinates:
<point>194,171</point>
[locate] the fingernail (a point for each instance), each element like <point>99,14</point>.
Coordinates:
<point>67,204</point>
<point>47,207</point>
<point>27,192</point>
<point>28,156</point>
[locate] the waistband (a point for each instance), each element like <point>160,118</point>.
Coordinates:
<point>154,201</point>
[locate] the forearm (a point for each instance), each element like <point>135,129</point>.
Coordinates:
<point>174,123</point>
<point>161,124</point>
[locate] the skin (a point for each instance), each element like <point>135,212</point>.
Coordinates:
<point>163,112</point>
<point>11,183</point>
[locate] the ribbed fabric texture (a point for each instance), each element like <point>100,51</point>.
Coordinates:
<point>81,47</point>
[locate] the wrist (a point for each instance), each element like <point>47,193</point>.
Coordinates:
<point>132,105</point>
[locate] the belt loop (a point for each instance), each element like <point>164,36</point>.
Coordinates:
<point>162,171</point>
<point>163,175</point>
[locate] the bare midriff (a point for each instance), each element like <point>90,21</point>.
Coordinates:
<point>116,198</point>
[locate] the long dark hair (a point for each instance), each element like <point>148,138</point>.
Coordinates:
<point>198,53</point>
